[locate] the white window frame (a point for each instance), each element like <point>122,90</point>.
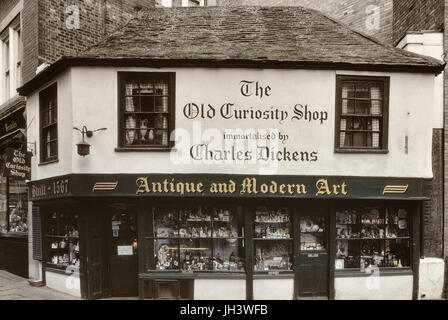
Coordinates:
<point>11,74</point>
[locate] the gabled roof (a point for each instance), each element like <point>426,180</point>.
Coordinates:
<point>257,37</point>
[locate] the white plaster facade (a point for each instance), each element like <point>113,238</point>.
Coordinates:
<point>88,96</point>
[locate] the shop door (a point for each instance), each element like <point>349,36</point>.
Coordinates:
<point>313,256</point>
<point>123,254</point>
<point>95,255</point>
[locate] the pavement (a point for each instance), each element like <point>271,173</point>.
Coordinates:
<point>13,287</point>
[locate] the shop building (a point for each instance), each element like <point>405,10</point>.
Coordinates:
<point>267,153</point>
<point>13,188</point>
<point>34,34</point>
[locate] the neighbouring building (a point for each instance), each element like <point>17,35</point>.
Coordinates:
<point>33,34</point>
<point>233,153</point>
<point>372,17</point>
<point>418,26</point>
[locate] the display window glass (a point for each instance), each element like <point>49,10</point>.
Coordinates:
<point>273,239</point>
<point>372,237</point>
<point>62,240</point>
<point>3,204</point>
<point>313,234</point>
<point>18,206</point>
<point>198,239</point>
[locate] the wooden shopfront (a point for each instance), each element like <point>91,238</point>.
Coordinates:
<point>15,169</point>
<point>249,237</point>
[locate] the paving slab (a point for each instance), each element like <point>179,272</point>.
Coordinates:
<point>13,287</point>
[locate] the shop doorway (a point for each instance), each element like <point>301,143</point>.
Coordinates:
<point>313,261</point>
<point>123,260</point>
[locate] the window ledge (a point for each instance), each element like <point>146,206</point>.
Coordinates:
<point>44,163</point>
<point>382,273</point>
<point>155,149</point>
<point>371,151</point>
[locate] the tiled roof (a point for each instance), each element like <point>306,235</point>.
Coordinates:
<point>274,34</point>
<point>255,37</point>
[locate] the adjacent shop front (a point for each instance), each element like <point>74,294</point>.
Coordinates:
<point>15,170</point>
<point>230,236</point>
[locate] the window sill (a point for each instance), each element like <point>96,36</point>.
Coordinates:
<point>383,272</point>
<point>44,163</point>
<point>161,149</point>
<point>371,151</point>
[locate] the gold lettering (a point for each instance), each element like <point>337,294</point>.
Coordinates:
<point>282,189</point>
<point>200,187</point>
<point>273,189</point>
<point>264,188</point>
<point>142,185</point>
<point>301,189</point>
<point>322,187</point>
<point>156,187</point>
<point>249,186</point>
<point>344,189</point>
<point>232,186</point>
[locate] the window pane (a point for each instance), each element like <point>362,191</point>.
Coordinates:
<point>272,223</point>
<point>347,254</point>
<point>226,223</point>
<point>273,255</point>
<point>196,255</point>
<point>132,104</point>
<point>161,87</point>
<point>358,139</point>
<point>376,92</point>
<point>195,223</point>
<point>312,234</point>
<point>372,253</point>
<point>18,206</point>
<point>348,106</point>
<point>376,108</point>
<point>63,250</point>
<point>348,91</point>
<point>166,254</point>
<point>161,104</point>
<point>397,253</point>
<point>53,151</point>
<point>147,96</point>
<point>165,223</point>
<point>347,224</point>
<point>228,255</point>
<point>3,222</point>
<point>372,224</point>
<point>362,91</point>
<point>362,107</point>
<point>397,223</point>
<point>132,89</point>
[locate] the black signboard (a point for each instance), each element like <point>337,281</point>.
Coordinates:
<point>12,123</point>
<point>228,186</point>
<point>18,164</point>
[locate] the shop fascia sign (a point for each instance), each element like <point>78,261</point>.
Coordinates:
<point>18,164</point>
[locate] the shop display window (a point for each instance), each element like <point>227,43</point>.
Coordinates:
<point>372,237</point>
<point>313,234</point>
<point>18,202</point>
<point>13,205</point>
<point>273,239</point>
<point>3,202</point>
<point>62,240</point>
<point>198,239</point>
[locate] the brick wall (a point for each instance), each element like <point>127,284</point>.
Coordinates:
<point>417,15</point>
<point>6,6</point>
<point>351,12</point>
<point>47,37</point>
<point>433,209</point>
